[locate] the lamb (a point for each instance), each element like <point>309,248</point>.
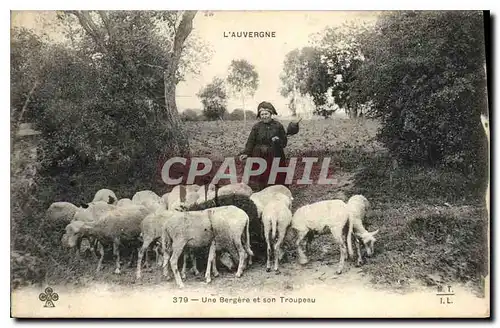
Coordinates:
<point>358,206</point>
<point>87,213</point>
<point>262,197</point>
<point>120,225</point>
<point>218,228</point>
<point>92,211</point>
<point>105,195</point>
<point>151,229</point>
<point>247,205</point>
<point>333,214</point>
<point>57,217</point>
<point>276,216</point>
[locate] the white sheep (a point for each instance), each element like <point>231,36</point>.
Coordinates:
<point>263,197</point>
<point>358,207</point>
<point>280,189</point>
<point>218,228</point>
<point>124,202</point>
<point>333,214</point>
<point>145,195</point>
<point>276,217</point>
<point>149,199</point>
<point>92,211</point>
<point>61,212</point>
<point>239,188</point>
<point>122,224</point>
<point>165,198</point>
<point>151,228</point>
<point>105,195</point>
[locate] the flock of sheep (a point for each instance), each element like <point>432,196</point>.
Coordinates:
<point>193,217</point>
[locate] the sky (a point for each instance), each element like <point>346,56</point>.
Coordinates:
<point>293,29</point>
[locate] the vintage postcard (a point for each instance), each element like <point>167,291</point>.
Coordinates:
<point>250,164</point>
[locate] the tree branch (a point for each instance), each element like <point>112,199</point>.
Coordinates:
<point>89,26</point>
<point>106,22</point>
<point>25,106</point>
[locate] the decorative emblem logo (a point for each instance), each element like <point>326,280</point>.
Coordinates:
<point>49,297</point>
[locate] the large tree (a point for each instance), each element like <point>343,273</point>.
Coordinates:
<point>109,30</point>
<point>424,73</point>
<point>214,99</point>
<point>243,79</point>
<point>305,73</point>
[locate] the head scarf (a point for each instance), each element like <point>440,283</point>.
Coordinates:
<point>266,106</point>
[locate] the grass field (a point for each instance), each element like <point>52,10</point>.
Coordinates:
<point>432,222</point>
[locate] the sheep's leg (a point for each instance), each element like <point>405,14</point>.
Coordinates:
<point>116,254</point>
<point>339,240</point>
<point>132,256</point>
<point>277,247</point>
<point>267,230</point>
<point>165,242</point>
<point>194,268</point>
<point>210,261</point>
<point>358,251</point>
<point>184,264</point>
<point>146,261</point>
<point>177,248</point>
<point>301,234</point>
<point>349,239</point>
<point>214,264</point>
<point>157,254</point>
<point>100,248</point>
<point>140,255</point>
<point>94,243</point>
<point>242,257</point>
<point>77,248</point>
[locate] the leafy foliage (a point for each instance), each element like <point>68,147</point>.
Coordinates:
<point>424,74</point>
<point>214,99</point>
<point>305,73</point>
<point>98,99</point>
<point>243,77</point>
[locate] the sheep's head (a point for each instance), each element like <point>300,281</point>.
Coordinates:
<point>368,239</point>
<point>73,233</point>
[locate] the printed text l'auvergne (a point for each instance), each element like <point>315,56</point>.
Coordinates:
<point>249,34</point>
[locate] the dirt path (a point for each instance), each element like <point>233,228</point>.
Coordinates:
<point>321,291</point>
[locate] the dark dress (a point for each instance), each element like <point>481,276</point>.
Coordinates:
<point>259,144</point>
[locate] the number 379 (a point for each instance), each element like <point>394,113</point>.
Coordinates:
<point>180,299</point>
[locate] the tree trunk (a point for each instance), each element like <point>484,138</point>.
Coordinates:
<point>180,143</point>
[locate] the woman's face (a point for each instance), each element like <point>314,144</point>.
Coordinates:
<point>265,115</point>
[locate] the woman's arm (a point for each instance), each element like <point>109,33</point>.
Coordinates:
<point>250,142</point>
<point>282,136</point>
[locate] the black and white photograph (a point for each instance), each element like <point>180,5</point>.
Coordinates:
<point>250,164</point>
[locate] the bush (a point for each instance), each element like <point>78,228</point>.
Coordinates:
<point>451,247</point>
<point>191,115</point>
<point>425,77</point>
